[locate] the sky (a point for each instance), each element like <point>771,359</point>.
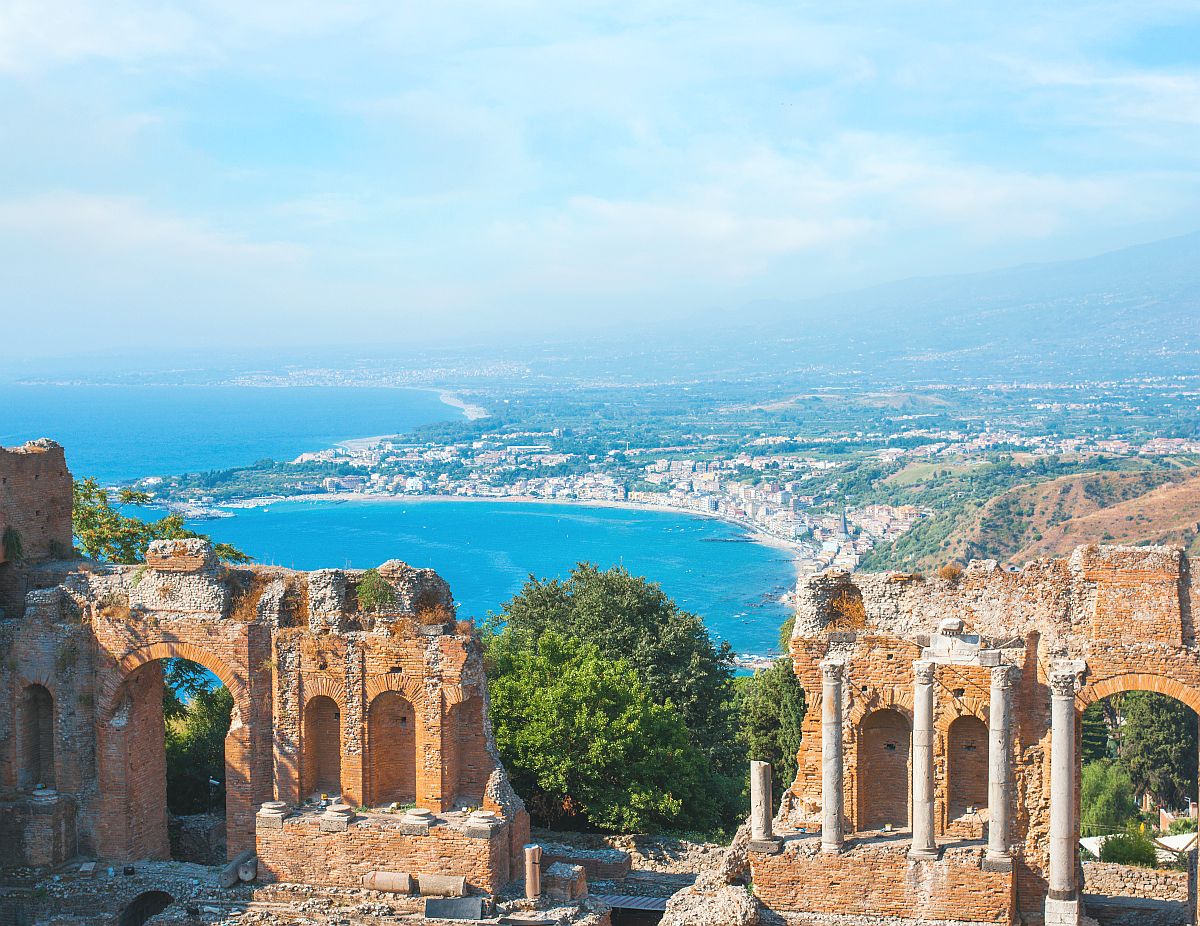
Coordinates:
<point>303,173</point>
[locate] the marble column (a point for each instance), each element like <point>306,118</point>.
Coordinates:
<point>1000,793</point>
<point>760,801</point>
<point>923,843</point>
<point>832,835</point>
<point>1062,899</point>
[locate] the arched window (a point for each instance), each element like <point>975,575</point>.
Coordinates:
<point>392,749</point>
<point>322,747</point>
<point>967,761</point>
<point>884,774</point>
<point>36,744</point>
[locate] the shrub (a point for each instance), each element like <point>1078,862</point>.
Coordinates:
<point>951,572</point>
<point>374,593</point>
<point>14,550</point>
<point>1131,848</point>
<point>1181,825</point>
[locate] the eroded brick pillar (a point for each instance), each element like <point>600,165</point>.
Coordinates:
<point>923,844</point>
<point>1062,898</point>
<point>1000,790</point>
<point>832,835</point>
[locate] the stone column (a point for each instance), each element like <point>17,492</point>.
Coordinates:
<point>923,843</point>
<point>831,756</point>
<point>760,801</point>
<point>533,872</point>
<point>1062,899</point>
<point>1000,794</point>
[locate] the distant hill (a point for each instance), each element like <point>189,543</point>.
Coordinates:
<point>1122,312</point>
<point>1052,518</point>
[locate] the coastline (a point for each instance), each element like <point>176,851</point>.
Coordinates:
<point>753,534</point>
<point>469,410</point>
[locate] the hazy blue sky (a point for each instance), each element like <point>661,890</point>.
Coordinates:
<point>303,171</point>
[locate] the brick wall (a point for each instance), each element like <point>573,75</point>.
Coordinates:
<point>877,880</point>
<point>300,852</point>
<point>321,767</point>
<point>35,499</point>
<point>884,770</point>
<point>967,765</point>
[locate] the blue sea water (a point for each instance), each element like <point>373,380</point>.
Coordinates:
<point>119,433</point>
<point>484,549</point>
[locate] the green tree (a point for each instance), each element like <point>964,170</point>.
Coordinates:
<point>1158,746</point>
<point>586,743</point>
<point>771,707</point>
<point>1106,799</point>
<point>104,532</point>
<point>627,617</point>
<point>1095,734</point>
<point>195,741</point>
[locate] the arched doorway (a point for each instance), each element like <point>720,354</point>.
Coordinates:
<point>392,749</point>
<point>966,766</point>
<point>1137,791</point>
<point>884,770</point>
<point>134,765</point>
<point>35,743</point>
<point>470,763</point>
<point>321,769</point>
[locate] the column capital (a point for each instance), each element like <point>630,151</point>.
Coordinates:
<point>1004,676</point>
<point>833,670</point>
<point>1064,677</point>
<point>923,671</point>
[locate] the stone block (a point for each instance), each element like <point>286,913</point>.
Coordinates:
<point>564,882</point>
<point>442,885</point>
<point>765,846</point>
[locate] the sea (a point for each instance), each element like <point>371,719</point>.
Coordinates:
<point>486,550</point>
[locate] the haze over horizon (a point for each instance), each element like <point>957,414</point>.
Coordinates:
<point>289,175</point>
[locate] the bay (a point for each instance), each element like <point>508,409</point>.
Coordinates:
<point>486,550</point>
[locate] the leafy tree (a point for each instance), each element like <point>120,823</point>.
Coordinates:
<point>103,532</point>
<point>1131,848</point>
<point>195,741</point>
<point>1158,746</point>
<point>1095,734</point>
<point>1106,799</point>
<point>771,705</point>
<point>627,617</point>
<point>584,740</point>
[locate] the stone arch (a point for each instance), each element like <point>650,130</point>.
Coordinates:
<point>322,686</point>
<point>410,687</point>
<point>1137,681</point>
<point>35,737</point>
<point>321,746</point>
<point>134,823</point>
<point>173,649</point>
<point>884,769</point>
<point>391,749</point>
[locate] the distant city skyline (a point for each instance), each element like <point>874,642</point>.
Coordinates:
<point>298,174</point>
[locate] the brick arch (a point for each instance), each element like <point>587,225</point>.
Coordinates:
<point>37,678</point>
<point>318,685</point>
<point>1138,681</point>
<point>454,694</point>
<point>173,649</point>
<point>880,699</point>
<point>406,685</point>
<point>966,706</point>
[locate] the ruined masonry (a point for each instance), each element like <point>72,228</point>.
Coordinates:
<point>939,777</point>
<point>359,751</point>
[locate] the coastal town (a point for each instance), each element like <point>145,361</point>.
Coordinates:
<point>798,500</point>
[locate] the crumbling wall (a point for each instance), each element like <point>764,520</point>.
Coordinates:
<point>35,502</point>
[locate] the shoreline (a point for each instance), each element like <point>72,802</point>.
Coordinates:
<point>753,535</point>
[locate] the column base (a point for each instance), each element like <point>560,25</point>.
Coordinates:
<point>922,855</point>
<point>997,862</point>
<point>1062,912</point>
<point>770,845</point>
<point>831,848</point>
